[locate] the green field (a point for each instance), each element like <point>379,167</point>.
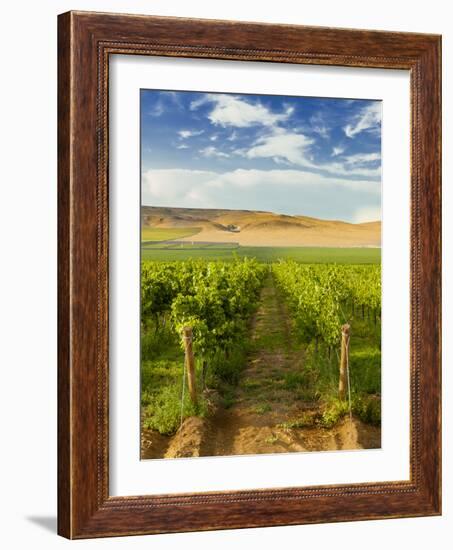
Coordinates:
<point>185,246</point>
<point>265,254</point>
<point>156,234</point>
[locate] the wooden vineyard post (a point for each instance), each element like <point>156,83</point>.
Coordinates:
<point>344,361</point>
<point>190,363</point>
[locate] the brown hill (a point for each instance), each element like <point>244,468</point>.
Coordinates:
<point>257,228</point>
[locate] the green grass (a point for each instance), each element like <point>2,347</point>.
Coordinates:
<point>162,361</point>
<point>320,376</point>
<point>271,439</point>
<point>267,254</point>
<point>187,246</point>
<point>155,234</point>
<point>295,380</point>
<point>262,408</point>
<point>305,420</point>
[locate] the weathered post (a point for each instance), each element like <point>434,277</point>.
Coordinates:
<point>344,361</point>
<point>190,363</point>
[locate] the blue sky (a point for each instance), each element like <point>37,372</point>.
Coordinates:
<point>318,157</point>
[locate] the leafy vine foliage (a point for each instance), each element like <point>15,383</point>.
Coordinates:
<point>214,298</point>
<point>318,296</point>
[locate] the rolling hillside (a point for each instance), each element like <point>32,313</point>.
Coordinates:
<point>256,228</point>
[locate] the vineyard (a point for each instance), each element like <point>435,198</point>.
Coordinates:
<point>320,296</point>
<point>214,299</point>
<point>265,343</point>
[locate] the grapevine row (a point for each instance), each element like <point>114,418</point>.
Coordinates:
<point>214,298</point>
<point>320,295</point>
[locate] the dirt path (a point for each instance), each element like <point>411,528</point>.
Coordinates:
<point>271,396</point>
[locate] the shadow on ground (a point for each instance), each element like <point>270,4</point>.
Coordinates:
<point>49,523</point>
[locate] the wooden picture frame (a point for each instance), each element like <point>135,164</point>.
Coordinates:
<point>85,42</point>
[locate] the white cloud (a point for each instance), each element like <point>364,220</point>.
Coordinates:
<point>318,126</point>
<point>202,100</point>
<point>350,169</point>
<point>182,146</point>
<point>166,101</point>
<point>173,186</point>
<point>336,151</point>
<point>369,119</point>
<point>281,146</point>
<point>231,111</point>
<point>280,190</point>
<point>294,148</point>
<point>212,152</point>
<point>184,134</point>
<point>241,178</point>
<point>175,98</point>
<point>157,110</point>
<point>284,146</point>
<point>362,158</point>
<point>177,182</point>
<point>367,214</point>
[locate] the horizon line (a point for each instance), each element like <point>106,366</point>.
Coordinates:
<point>261,211</point>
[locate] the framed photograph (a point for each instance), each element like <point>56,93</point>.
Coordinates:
<point>249,275</point>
